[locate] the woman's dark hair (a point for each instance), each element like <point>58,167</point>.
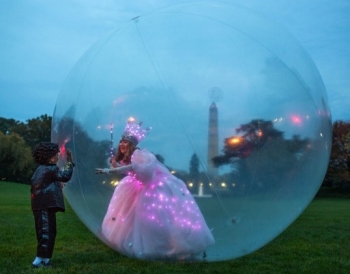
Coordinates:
<point>44,151</point>
<point>127,156</point>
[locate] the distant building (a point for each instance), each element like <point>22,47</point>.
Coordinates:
<point>213,139</point>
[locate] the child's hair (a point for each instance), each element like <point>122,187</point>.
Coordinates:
<point>44,151</point>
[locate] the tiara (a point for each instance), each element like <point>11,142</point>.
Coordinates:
<point>133,131</point>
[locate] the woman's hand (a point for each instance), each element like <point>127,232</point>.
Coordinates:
<point>101,170</point>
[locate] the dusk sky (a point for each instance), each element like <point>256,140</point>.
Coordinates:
<point>42,40</point>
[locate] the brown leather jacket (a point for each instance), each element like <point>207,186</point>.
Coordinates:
<point>46,187</point>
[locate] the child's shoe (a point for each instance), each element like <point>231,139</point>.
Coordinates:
<point>42,264</point>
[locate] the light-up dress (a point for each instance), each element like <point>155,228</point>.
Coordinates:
<point>152,215</point>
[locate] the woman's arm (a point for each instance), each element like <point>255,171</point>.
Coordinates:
<point>118,170</point>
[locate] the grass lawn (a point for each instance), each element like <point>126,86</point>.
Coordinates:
<point>317,242</point>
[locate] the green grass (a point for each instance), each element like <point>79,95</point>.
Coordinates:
<point>317,242</point>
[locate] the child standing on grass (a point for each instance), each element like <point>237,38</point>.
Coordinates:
<point>47,198</point>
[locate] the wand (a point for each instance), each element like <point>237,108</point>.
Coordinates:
<point>111,131</point>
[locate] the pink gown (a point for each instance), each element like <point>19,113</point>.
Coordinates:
<point>152,215</point>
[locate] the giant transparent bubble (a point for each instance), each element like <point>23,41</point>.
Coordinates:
<point>238,111</point>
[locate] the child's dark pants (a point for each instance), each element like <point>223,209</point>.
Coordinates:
<point>45,227</point>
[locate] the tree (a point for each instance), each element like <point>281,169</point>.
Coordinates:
<point>253,136</point>
<point>258,131</point>
<point>194,166</point>
<point>33,131</point>
<point>6,125</point>
<point>259,156</point>
<point>194,171</point>
<point>339,164</point>
<point>15,158</point>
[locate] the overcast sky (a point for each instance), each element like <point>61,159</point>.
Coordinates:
<point>41,40</point>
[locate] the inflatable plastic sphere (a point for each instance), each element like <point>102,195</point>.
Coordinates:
<point>238,112</point>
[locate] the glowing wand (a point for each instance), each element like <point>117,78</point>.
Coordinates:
<point>111,131</point>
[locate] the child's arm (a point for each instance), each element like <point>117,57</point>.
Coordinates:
<point>118,170</point>
<point>66,174</point>
<point>61,175</point>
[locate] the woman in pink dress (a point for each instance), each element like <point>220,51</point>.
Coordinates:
<point>151,214</point>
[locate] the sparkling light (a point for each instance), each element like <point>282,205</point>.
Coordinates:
<point>296,119</point>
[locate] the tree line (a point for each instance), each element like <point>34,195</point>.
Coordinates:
<point>18,139</point>
<point>338,172</point>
